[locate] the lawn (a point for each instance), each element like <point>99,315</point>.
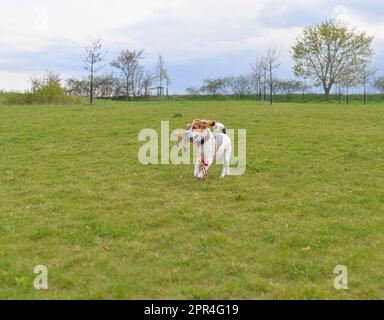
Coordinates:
<point>75,198</point>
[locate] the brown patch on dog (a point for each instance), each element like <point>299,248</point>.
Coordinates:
<point>195,124</point>
<point>199,124</point>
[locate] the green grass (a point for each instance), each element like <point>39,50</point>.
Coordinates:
<point>75,199</point>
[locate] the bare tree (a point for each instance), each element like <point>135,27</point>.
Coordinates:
<point>167,83</point>
<point>128,62</point>
<point>143,82</point>
<point>76,87</point>
<point>258,68</point>
<point>94,56</point>
<point>378,84</point>
<point>240,85</point>
<point>271,61</point>
<point>48,78</point>
<point>194,91</point>
<point>214,86</point>
<point>162,73</point>
<point>367,74</point>
<point>137,80</point>
<point>353,76</point>
<point>288,87</point>
<point>104,86</point>
<point>148,82</point>
<point>265,80</point>
<point>349,77</point>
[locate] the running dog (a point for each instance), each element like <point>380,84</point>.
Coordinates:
<point>208,146</point>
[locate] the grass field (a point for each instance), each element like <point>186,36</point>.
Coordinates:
<point>75,199</point>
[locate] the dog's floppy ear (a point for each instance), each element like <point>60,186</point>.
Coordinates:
<point>196,124</point>
<point>212,123</point>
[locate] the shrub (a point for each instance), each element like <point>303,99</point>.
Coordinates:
<point>13,98</point>
<point>2,98</point>
<point>51,93</point>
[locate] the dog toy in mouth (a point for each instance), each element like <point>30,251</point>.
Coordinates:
<point>208,145</point>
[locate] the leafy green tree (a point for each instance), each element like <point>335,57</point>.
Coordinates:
<point>328,52</point>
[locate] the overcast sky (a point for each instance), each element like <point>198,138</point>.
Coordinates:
<point>197,38</point>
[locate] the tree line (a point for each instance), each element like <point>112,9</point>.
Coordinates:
<point>245,85</point>
<point>130,79</point>
<point>330,54</point>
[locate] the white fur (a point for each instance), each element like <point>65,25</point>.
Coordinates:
<point>216,145</point>
<point>218,128</point>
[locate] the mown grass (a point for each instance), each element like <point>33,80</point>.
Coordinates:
<point>75,199</point>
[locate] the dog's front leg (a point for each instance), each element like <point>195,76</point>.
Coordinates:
<point>205,173</point>
<point>197,169</point>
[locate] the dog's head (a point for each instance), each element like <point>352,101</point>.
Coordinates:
<point>199,124</point>
<point>194,131</point>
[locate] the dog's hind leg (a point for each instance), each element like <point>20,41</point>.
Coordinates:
<point>224,172</point>
<point>228,154</point>
<point>227,159</point>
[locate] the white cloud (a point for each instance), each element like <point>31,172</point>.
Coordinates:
<point>13,80</point>
<point>81,20</point>
<point>184,31</point>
